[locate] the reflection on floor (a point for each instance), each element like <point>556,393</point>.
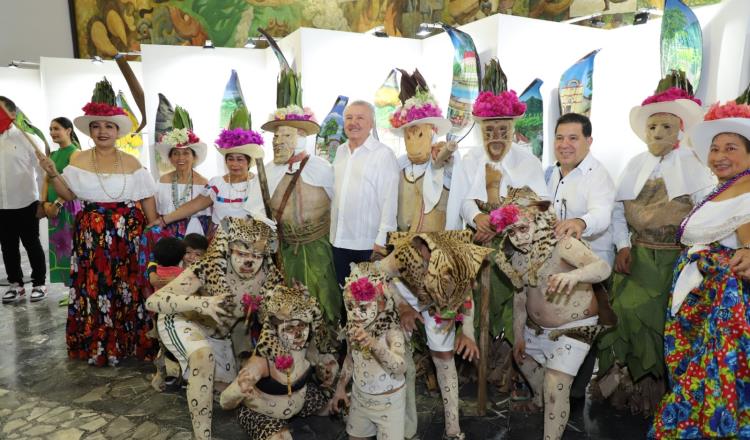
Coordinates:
<point>43,395</point>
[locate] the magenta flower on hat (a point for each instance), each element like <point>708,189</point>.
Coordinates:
<point>420,106</point>
<point>363,290</point>
<point>237,137</point>
<point>504,105</point>
<point>503,217</point>
<point>671,94</point>
<point>293,113</point>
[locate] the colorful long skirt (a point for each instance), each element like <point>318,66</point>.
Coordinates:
<point>107,320</point>
<point>60,232</point>
<point>178,229</point>
<point>706,348</point>
<point>640,303</point>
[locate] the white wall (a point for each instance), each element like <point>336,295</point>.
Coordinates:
<point>30,29</point>
<point>67,85</point>
<point>22,86</point>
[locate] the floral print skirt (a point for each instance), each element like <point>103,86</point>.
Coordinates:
<point>107,320</point>
<point>706,347</point>
<point>61,242</point>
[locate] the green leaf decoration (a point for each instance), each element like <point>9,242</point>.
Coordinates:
<point>675,78</point>
<point>104,93</point>
<point>494,79</point>
<point>182,119</point>
<point>240,119</point>
<point>744,98</point>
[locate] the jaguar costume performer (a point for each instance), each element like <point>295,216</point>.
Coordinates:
<point>554,308</point>
<point>275,383</point>
<point>199,307</point>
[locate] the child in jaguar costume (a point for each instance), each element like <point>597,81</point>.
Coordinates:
<point>554,309</point>
<point>199,307</point>
<point>375,361</point>
<point>275,384</point>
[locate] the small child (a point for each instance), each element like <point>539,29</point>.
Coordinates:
<point>375,358</point>
<point>195,246</point>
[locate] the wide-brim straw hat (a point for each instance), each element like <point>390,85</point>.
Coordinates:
<point>309,127</point>
<point>199,148</point>
<point>703,134</point>
<point>255,151</point>
<point>442,125</point>
<point>687,110</point>
<point>123,123</point>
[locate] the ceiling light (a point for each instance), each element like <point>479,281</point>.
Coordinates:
<point>208,44</point>
<point>641,17</point>
<point>250,43</point>
<point>13,65</point>
<point>427,29</point>
<point>96,59</point>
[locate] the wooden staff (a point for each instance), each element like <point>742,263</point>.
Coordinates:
<point>484,339</point>
<point>266,194</point>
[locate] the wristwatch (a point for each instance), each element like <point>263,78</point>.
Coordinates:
<point>59,203</point>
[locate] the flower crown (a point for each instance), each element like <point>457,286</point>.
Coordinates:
<point>237,137</point>
<point>102,109</point>
<point>504,216</point>
<point>362,290</point>
<point>729,110</point>
<point>504,105</point>
<point>180,137</point>
<point>293,113</point>
<point>421,105</point>
<point>671,94</point>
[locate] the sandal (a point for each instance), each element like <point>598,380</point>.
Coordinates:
<point>14,292</point>
<point>38,293</point>
<point>459,436</point>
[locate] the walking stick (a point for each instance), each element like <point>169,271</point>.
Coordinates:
<point>484,342</point>
<point>266,194</point>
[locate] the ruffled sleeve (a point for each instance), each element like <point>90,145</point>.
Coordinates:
<point>211,189</point>
<point>143,185</point>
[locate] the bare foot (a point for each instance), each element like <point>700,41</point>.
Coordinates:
<point>158,383</point>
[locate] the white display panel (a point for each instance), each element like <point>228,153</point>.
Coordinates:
<point>22,86</point>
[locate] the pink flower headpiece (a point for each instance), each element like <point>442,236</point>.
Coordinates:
<point>237,137</point>
<point>729,110</point>
<point>504,216</point>
<point>363,290</point>
<point>504,105</point>
<point>420,106</point>
<point>102,109</point>
<point>671,94</point>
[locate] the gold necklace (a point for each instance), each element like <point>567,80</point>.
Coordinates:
<point>118,164</point>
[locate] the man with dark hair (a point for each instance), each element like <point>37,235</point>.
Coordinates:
<point>20,182</point>
<point>583,196</point>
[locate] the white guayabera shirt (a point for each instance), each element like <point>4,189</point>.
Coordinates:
<point>20,175</point>
<point>365,197</point>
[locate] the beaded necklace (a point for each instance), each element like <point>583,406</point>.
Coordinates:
<point>118,164</point>
<point>178,200</point>
<point>715,193</point>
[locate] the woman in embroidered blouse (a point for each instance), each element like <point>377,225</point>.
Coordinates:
<point>227,194</point>
<point>175,188</point>
<point>707,332</point>
<point>107,320</point>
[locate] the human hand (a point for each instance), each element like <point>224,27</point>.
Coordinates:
<point>519,350</point>
<point>339,402</point>
<point>46,163</point>
<point>360,337</point>
<point>246,381</point>
<point>409,317</point>
<point>622,261</point>
<point>378,252</point>
<point>217,307</point>
<point>740,263</point>
<point>466,348</point>
<point>562,283</point>
<point>41,212</point>
<point>570,228</point>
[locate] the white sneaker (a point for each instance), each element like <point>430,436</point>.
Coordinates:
<point>14,292</point>
<point>38,293</point>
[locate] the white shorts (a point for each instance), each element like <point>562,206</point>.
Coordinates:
<point>377,415</point>
<point>440,337</point>
<point>183,337</point>
<point>566,354</point>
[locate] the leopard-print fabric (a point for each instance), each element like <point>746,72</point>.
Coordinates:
<point>262,427</point>
<point>212,269</point>
<point>388,318</point>
<point>544,239</point>
<point>443,282</point>
<point>286,303</point>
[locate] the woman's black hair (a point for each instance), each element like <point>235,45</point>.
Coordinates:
<point>66,124</point>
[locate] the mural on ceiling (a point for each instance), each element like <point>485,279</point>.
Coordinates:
<point>106,27</point>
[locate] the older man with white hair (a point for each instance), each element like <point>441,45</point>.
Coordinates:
<point>365,197</point>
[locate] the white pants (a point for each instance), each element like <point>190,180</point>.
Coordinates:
<point>380,415</point>
<point>566,354</point>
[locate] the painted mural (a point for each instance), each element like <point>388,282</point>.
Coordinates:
<point>106,27</point>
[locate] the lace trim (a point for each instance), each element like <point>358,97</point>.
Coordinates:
<point>709,234</point>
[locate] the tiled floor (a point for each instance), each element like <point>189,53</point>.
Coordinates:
<point>43,395</point>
